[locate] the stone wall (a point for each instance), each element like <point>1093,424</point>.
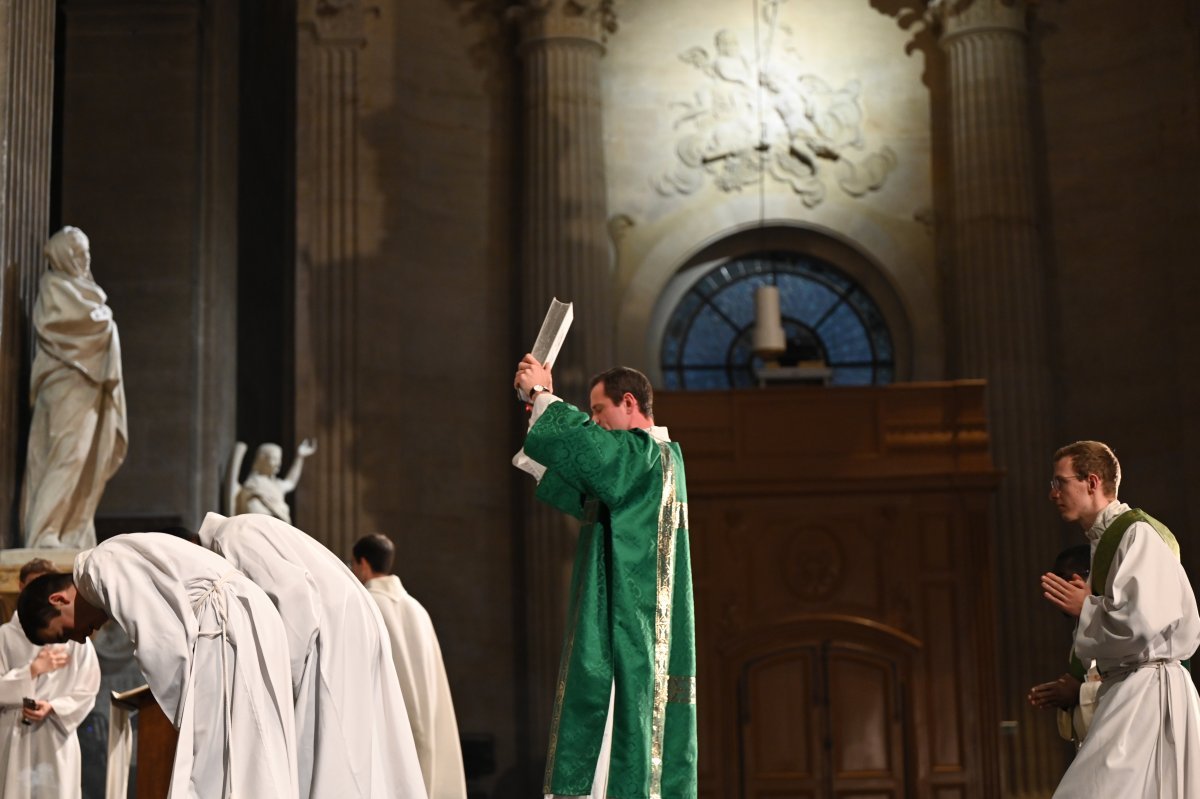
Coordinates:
<point>424,432</point>
<point>148,160</point>
<point>1121,97</point>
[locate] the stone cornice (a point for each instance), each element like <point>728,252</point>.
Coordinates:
<point>336,22</point>
<point>588,20</point>
<point>960,17</point>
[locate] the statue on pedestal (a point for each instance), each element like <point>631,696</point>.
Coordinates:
<point>79,435</point>
<point>263,490</point>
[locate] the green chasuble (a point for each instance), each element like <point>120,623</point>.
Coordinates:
<point>630,619</point>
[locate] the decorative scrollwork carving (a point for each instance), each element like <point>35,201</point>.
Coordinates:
<point>814,565</point>
<point>751,121</point>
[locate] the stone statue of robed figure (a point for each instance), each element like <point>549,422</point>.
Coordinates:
<point>79,436</point>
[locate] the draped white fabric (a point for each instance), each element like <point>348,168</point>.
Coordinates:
<point>422,675</point>
<point>41,760</point>
<point>1144,739</point>
<point>352,727</point>
<point>78,435</point>
<point>213,650</point>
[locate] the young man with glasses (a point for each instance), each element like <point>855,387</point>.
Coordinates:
<point>1137,619</point>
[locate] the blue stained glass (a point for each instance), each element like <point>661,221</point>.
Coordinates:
<point>883,345</point>
<point>701,379</point>
<point>670,350</point>
<point>800,298</point>
<point>708,340</point>
<point>741,354</point>
<point>683,314</point>
<point>737,300</point>
<point>826,274</point>
<point>844,337</point>
<point>711,348</point>
<point>851,376</point>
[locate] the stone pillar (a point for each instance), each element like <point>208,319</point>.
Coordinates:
<point>565,253</point>
<point>331,35</point>
<point>26,97</point>
<point>998,297</point>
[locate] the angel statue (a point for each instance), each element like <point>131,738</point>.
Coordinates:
<point>264,491</point>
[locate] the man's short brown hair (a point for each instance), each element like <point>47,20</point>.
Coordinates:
<point>622,380</point>
<point>1093,457</point>
<point>35,566</point>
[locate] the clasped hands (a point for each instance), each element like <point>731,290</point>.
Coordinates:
<point>1066,595</point>
<point>1062,693</point>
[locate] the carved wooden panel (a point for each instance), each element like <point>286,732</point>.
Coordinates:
<point>781,730</point>
<point>843,625</point>
<point>826,716</point>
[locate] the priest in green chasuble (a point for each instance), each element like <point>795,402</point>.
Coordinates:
<point>624,721</point>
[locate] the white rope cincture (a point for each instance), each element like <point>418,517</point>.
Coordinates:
<point>222,615</point>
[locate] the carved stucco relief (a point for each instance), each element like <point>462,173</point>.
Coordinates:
<point>756,117</point>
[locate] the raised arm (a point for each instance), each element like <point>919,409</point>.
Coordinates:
<point>581,454</point>
<point>307,447</point>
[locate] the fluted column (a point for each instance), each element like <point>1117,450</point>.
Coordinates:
<point>998,294</point>
<point>331,35</point>
<point>565,254</point>
<point>26,97</point>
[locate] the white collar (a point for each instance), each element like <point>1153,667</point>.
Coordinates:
<point>657,432</point>
<point>388,584</point>
<point>1111,511</point>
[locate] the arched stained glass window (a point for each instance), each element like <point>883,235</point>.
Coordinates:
<point>827,318</point>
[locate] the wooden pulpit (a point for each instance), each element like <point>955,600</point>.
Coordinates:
<point>156,740</point>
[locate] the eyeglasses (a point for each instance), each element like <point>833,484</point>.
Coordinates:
<point>1057,484</point>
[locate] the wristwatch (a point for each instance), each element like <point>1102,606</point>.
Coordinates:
<point>538,389</point>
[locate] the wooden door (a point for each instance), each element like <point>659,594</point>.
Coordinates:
<point>826,719</point>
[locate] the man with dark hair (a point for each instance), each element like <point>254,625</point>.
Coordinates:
<point>209,642</point>
<point>375,551</point>
<point>624,721</point>
<point>45,693</point>
<point>353,732</point>
<point>618,382</point>
<point>419,668</point>
<point>1138,621</point>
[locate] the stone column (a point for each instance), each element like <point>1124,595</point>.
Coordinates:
<point>331,35</point>
<point>998,297</point>
<point>26,97</point>
<point>565,253</point>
